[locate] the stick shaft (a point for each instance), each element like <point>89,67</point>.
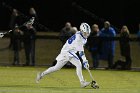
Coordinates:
<point>90,74</point>
<point>7,32</point>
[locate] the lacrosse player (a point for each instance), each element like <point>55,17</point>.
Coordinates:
<point>68,53</point>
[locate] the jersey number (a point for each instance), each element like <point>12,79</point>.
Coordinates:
<point>70,40</point>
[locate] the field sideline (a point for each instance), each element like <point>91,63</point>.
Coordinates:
<point>22,80</point>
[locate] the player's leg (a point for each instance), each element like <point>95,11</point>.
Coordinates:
<point>57,67</point>
<point>78,65</point>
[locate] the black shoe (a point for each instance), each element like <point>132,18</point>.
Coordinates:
<point>32,65</point>
<point>25,64</point>
<point>108,68</point>
<point>13,64</point>
<point>127,69</point>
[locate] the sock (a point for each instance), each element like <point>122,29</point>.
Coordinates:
<point>79,74</point>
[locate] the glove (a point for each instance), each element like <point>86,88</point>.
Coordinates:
<point>86,65</point>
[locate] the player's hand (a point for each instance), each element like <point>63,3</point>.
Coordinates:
<point>86,65</point>
<point>1,35</point>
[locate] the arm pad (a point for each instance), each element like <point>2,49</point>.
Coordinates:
<point>82,55</point>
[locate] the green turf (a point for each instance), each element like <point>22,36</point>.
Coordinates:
<point>22,80</point>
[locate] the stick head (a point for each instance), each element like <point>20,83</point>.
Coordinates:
<point>31,21</point>
<point>94,85</point>
<point>1,35</point>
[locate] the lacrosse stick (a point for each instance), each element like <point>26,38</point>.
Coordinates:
<point>3,33</point>
<point>31,21</point>
<point>93,83</point>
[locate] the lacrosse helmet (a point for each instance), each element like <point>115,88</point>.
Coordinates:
<point>85,29</point>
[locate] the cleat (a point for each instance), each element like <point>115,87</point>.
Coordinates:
<point>38,77</point>
<point>85,84</point>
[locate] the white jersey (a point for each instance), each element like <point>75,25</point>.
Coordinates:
<point>74,43</point>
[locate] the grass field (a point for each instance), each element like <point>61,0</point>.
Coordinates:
<point>22,80</point>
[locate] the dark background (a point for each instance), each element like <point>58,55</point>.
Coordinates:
<point>54,13</point>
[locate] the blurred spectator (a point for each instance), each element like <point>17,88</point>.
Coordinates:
<point>29,38</point>
<point>138,34</point>
<point>125,50</point>
<point>16,44</point>
<point>32,13</point>
<point>15,41</point>
<point>66,32</point>
<point>94,44</point>
<point>108,44</point>
<point>15,20</point>
<point>74,29</point>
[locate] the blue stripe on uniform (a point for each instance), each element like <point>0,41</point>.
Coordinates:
<point>82,35</point>
<point>81,54</point>
<point>74,56</point>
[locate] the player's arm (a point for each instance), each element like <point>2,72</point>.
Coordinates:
<point>85,61</point>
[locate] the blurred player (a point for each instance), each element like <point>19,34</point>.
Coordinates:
<point>68,53</point>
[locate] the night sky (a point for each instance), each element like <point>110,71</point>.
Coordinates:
<point>54,13</point>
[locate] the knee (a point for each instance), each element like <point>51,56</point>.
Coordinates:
<point>56,68</point>
<point>79,66</point>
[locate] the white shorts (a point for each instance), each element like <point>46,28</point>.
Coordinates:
<point>63,58</point>
<point>66,56</point>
